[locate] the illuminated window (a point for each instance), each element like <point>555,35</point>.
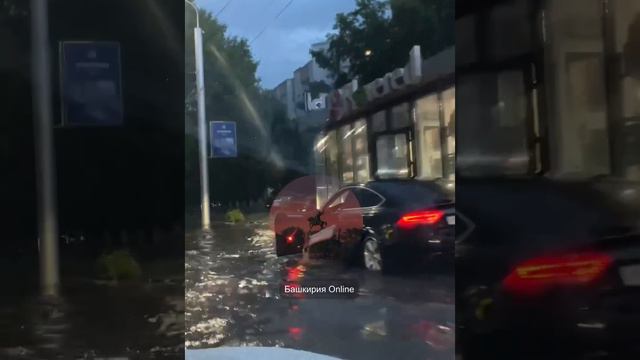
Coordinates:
<point>428,134</point>
<point>493,136</point>
<point>578,98</point>
<point>321,170</point>
<point>626,15</point>
<point>393,161</point>
<point>332,163</point>
<point>346,159</point>
<point>361,151</point>
<point>449,110</point>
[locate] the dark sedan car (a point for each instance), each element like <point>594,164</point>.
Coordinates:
<point>545,269</point>
<point>379,224</point>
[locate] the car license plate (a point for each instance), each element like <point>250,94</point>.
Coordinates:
<point>451,220</point>
<point>630,275</point>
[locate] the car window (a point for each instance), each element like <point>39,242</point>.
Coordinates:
<point>337,200</point>
<point>366,197</point>
<point>346,199</point>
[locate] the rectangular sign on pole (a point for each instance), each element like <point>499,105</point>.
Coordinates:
<point>90,83</point>
<point>223,140</point>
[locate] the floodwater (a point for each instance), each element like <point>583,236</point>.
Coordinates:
<point>233,298</point>
<point>94,320</point>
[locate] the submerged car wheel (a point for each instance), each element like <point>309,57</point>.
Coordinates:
<point>372,254</point>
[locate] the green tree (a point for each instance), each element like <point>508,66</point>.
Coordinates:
<point>232,93</point>
<point>229,68</point>
<point>376,37</point>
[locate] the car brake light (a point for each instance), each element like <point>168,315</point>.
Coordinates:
<point>290,238</point>
<point>538,275</point>
<point>425,217</point>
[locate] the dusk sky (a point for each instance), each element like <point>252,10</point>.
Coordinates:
<point>284,44</point>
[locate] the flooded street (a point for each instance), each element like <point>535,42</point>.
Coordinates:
<point>96,320</point>
<point>233,299</point>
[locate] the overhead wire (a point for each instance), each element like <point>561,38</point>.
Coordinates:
<point>223,8</point>
<point>272,21</point>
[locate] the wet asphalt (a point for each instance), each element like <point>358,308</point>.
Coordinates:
<point>233,298</point>
<point>95,320</point>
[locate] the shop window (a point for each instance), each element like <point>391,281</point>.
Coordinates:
<point>345,142</point>
<point>392,156</point>
<point>626,17</point>
<point>428,134</point>
<point>493,135</point>
<point>361,151</point>
<point>332,163</point>
<point>321,170</point>
<point>449,112</point>
<point>576,89</point>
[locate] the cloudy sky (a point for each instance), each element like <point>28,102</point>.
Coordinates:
<point>284,44</point>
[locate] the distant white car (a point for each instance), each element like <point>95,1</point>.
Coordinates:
<point>253,352</point>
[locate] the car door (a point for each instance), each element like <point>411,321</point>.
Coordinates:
<point>329,215</point>
<point>358,211</point>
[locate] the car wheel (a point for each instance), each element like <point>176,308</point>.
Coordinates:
<point>372,254</point>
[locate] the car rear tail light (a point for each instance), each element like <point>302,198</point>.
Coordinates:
<point>291,237</point>
<point>425,217</point>
<point>538,275</point>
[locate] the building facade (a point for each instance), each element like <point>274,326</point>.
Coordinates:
<point>304,96</point>
<point>553,86</point>
<point>284,94</point>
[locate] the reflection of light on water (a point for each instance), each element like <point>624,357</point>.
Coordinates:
<point>50,324</point>
<point>295,332</point>
<point>374,330</point>
<point>212,332</point>
<point>171,323</point>
<point>295,273</point>
<point>438,336</point>
<point>262,237</point>
<point>249,282</point>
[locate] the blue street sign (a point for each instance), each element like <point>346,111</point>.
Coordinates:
<point>223,140</point>
<point>90,83</point>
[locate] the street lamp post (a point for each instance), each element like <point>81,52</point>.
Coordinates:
<point>45,158</point>
<point>202,126</point>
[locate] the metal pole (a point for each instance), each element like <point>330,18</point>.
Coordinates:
<point>202,125</point>
<point>202,130</point>
<point>45,158</point>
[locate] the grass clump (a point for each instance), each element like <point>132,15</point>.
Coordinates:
<point>235,216</point>
<point>118,266</point>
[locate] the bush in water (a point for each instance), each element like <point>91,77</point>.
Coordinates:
<point>235,216</point>
<point>118,265</point>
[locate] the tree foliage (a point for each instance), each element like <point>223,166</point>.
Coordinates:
<point>233,93</point>
<point>228,67</point>
<point>377,36</point>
